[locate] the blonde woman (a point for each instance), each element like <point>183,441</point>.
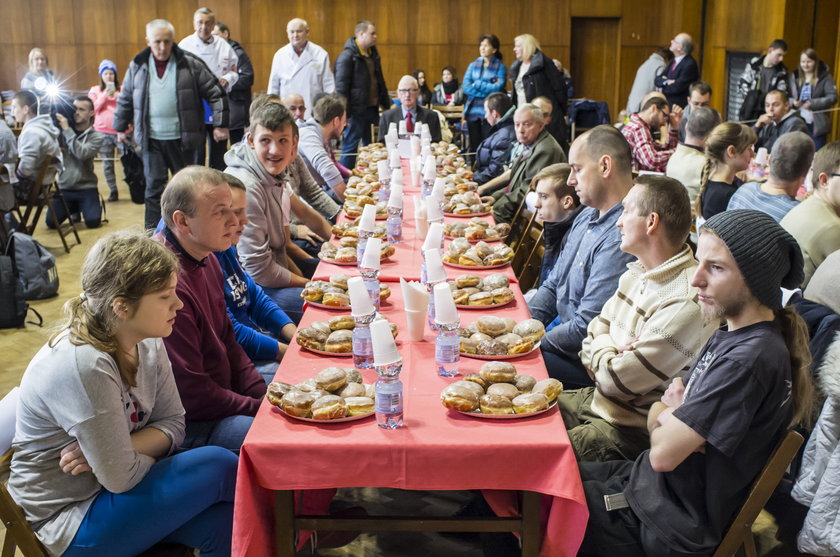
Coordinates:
<point>729,149</point>
<point>39,75</point>
<point>99,416</point>
<point>812,89</point>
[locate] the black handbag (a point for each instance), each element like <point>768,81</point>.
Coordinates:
<point>134,176</point>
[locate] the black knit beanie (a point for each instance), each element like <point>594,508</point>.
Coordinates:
<point>767,256</point>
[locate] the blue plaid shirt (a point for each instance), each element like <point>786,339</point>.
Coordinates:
<point>583,279</point>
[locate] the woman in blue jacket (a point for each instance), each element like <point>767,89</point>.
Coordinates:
<point>485,75</point>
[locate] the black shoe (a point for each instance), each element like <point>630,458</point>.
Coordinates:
<point>113,196</point>
<point>76,217</point>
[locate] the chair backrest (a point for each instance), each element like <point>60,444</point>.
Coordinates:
<point>18,531</point>
<point>530,274</point>
<point>519,224</point>
<point>740,531</point>
<point>532,236</point>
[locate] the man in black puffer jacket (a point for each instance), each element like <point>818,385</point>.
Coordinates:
<point>358,77</point>
<point>493,154</point>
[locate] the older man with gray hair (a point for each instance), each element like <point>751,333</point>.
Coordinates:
<point>162,96</point>
<point>790,161</point>
<point>687,162</point>
<point>539,149</point>
<point>408,91</point>
<point>680,73</point>
<point>301,67</point>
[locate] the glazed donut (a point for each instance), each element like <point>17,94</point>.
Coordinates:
<point>476,378</point>
<point>321,326</point>
<point>522,347</point>
<point>525,383</point>
<point>530,329</point>
<point>504,389</point>
<point>353,375</point>
<point>497,372</point>
<point>468,346</point>
<point>502,295</point>
<point>310,337</point>
<point>463,281</point>
<point>490,325</point>
<point>549,387</point>
<point>492,348</point>
<point>461,297</point>
<point>340,341</point>
<point>510,323</point>
<point>384,292</point>
<point>495,404</point>
<point>472,385</point>
<point>351,390</point>
<point>297,403</point>
<point>481,299</point>
<point>530,402</point>
<point>359,405</point>
<point>342,322</point>
<point>345,255</point>
<point>276,391</point>
<point>336,299</point>
<point>312,294</point>
<point>479,337</point>
<point>349,242</point>
<point>328,407</point>
<point>339,280</point>
<point>496,280</point>
<point>459,397</point>
<point>331,378</point>
<point>510,339</point>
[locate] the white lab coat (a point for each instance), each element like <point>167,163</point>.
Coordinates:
<point>218,55</point>
<point>308,75</point>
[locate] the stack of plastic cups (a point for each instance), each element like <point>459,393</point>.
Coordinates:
<point>421,221</point>
<point>433,240</point>
<point>447,343</point>
<point>435,275</point>
<point>393,225</point>
<point>370,269</point>
<point>388,365</point>
<point>367,226</point>
<point>363,314</point>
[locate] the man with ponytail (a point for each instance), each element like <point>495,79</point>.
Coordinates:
<point>711,437</point>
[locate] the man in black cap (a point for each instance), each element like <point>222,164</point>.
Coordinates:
<point>711,437</point>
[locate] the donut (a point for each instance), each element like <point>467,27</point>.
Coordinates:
<point>496,280</point>
<point>472,385</point>
<point>501,295</point>
<point>321,326</point>
<point>459,397</point>
<point>510,339</point>
<point>276,391</point>
<point>297,403</point>
<point>342,322</point>
<point>310,337</point>
<point>530,329</point>
<point>522,347</point>
<point>490,325</point>
<point>353,375</point>
<point>504,389</point>
<point>495,404</point>
<point>359,405</point>
<point>312,294</point>
<point>331,378</point>
<point>336,299</point>
<point>328,407</point>
<point>491,348</point>
<point>339,280</point>
<point>481,299</point>
<point>468,346</point>
<point>352,390</point>
<point>479,337</point>
<point>384,292</point>
<point>497,372</point>
<point>530,402</point>
<point>463,281</point>
<point>525,383</point>
<point>476,378</point>
<point>340,341</point>
<point>549,387</point>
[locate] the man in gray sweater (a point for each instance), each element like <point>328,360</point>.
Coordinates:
<point>78,182</point>
<point>329,117</point>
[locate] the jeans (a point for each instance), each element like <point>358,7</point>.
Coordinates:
<point>567,369</point>
<point>228,433</point>
<point>307,266</point>
<point>159,158</point>
<point>267,369</point>
<point>358,129</point>
<point>85,201</point>
<point>109,143</point>
<point>217,151</point>
<point>288,299</point>
<point>309,248</point>
<point>186,498</point>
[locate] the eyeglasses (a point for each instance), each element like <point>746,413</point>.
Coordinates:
<point>407,91</point>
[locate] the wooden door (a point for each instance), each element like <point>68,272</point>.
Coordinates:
<point>595,59</point>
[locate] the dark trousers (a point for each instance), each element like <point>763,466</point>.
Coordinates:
<point>357,130</point>
<point>159,159</point>
<point>477,132</point>
<point>217,151</point>
<point>236,136</point>
<point>84,201</point>
<point>567,369</point>
<point>616,533</point>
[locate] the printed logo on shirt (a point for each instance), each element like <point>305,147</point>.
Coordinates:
<point>702,365</point>
<point>237,290</point>
<point>138,414</point>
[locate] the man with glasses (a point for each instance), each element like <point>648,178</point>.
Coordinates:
<point>648,154</point>
<point>408,91</point>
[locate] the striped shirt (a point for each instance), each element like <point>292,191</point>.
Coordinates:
<point>750,196</point>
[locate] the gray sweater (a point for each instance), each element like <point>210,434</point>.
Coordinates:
<point>75,393</point>
<point>79,152</point>
<point>38,138</point>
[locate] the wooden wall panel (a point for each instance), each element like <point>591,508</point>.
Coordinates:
<point>76,34</point>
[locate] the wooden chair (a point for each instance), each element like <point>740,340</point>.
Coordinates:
<point>37,198</point>
<point>530,274</point>
<point>53,193</point>
<point>19,534</point>
<point>533,235</point>
<point>453,115</point>
<point>519,225</point>
<point>739,536</point>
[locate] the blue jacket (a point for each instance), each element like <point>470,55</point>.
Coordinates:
<point>493,153</point>
<point>250,309</point>
<point>478,84</point>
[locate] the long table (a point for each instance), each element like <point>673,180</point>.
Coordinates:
<point>437,449</point>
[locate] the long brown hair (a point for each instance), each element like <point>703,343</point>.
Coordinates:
<point>795,333</point>
<point>738,135</point>
<point>800,75</point>
<point>127,265</point>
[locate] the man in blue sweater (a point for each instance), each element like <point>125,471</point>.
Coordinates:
<point>261,327</point>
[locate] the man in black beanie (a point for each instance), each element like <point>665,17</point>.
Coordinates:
<point>711,438</point>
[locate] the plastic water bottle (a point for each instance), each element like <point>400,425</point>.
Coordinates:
<point>394,225</point>
<point>389,396</point>
<point>362,344</point>
<point>427,187</point>
<point>447,349</point>
<point>385,190</point>
<point>371,279</point>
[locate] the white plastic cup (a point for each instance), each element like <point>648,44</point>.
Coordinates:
<point>434,266</point>
<point>761,156</point>
<point>445,310</point>
<point>360,303</point>
<point>368,220</point>
<point>396,199</point>
<point>373,252</point>
<point>384,170</point>
<point>416,319</point>
<point>384,347</point>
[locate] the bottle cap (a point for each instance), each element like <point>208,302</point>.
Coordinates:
<point>396,199</point>
<point>434,266</point>
<point>368,220</point>
<point>360,303</point>
<point>373,251</point>
<point>384,347</point>
<point>434,237</point>
<point>433,210</point>
<point>445,311</point>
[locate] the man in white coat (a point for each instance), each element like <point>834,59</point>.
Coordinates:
<point>301,67</point>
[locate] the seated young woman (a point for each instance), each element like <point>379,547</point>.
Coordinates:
<point>99,418</point>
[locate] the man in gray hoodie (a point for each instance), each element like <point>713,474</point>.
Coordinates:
<point>329,116</point>
<point>78,182</point>
<point>38,138</point>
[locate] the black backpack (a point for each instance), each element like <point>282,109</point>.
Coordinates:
<point>13,306</point>
<point>35,266</point>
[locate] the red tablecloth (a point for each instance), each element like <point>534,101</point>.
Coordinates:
<point>436,450</point>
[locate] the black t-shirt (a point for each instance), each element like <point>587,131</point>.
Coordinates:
<point>716,197</point>
<point>738,398</point>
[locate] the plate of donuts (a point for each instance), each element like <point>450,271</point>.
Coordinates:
<point>500,338</point>
<point>327,353</point>
<point>333,395</point>
<point>475,241</point>
<point>483,306</point>
<point>498,392</point>
<point>467,215</point>
<point>474,267</point>
<point>501,356</point>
